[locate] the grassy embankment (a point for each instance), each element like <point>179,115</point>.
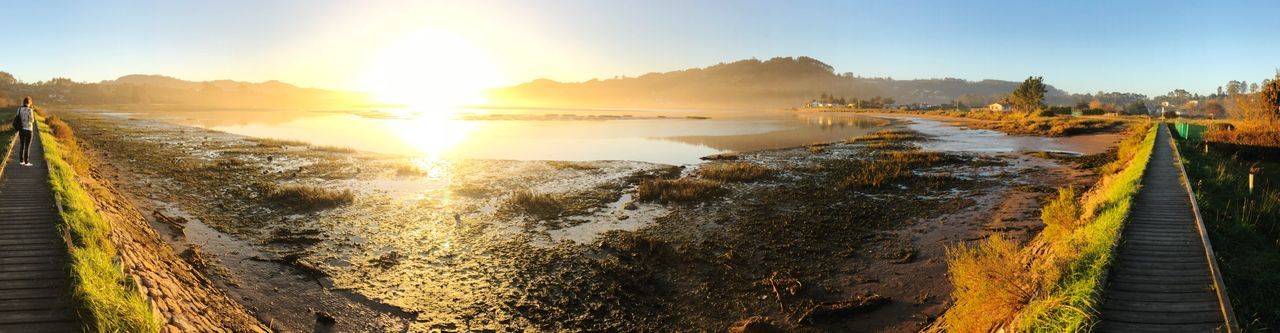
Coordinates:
<point>108,301</point>
<point>1052,283</point>
<point>7,131</point>
<point>1244,227</point>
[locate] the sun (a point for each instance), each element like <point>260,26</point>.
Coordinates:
<point>431,69</point>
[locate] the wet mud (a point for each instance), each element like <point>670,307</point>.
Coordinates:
<point>437,245</point>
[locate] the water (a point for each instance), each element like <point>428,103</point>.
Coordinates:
<point>659,136</point>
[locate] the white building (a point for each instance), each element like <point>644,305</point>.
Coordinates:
<point>1000,107</point>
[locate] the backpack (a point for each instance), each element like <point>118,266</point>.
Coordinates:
<point>17,120</point>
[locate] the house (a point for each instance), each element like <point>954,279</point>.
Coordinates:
<point>1000,107</point>
<point>814,104</point>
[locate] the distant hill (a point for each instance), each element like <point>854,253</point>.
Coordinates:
<point>777,82</point>
<point>164,90</point>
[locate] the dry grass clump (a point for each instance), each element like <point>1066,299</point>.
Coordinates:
<point>540,205</point>
<point>720,157</point>
<point>570,165</point>
<point>888,135</point>
<point>1063,211</point>
<point>890,166</point>
<point>309,197</point>
<point>409,170</point>
<point>277,143</point>
<point>677,190</point>
<point>992,284</point>
<point>334,149</point>
<point>733,171</point>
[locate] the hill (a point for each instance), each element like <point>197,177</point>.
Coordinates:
<point>777,82</point>
<point>164,90</point>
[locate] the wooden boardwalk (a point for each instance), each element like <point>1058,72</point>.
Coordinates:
<point>34,288</point>
<point>1162,279</point>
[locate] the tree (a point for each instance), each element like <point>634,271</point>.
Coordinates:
<point>1136,108</point>
<point>1270,101</point>
<point>1030,95</point>
<point>7,79</point>
<point>1214,109</point>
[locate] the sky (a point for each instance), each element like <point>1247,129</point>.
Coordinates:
<point>1148,47</point>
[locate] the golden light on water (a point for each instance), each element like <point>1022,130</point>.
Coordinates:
<point>432,71</point>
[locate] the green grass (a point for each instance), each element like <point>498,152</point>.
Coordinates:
<point>108,301</point>
<point>1244,229</point>
<point>1053,283</point>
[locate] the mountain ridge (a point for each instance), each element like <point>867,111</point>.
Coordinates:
<point>777,82</point>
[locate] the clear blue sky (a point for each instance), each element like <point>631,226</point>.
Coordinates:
<point>1148,47</point>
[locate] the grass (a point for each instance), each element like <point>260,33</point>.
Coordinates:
<point>278,143</point>
<point>570,165</point>
<point>7,133</point>
<point>334,149</point>
<point>1053,283</point>
<point>733,171</point>
<point>721,157</point>
<point>887,167</point>
<point>538,205</point>
<point>108,301</point>
<point>683,190</point>
<point>1257,135</point>
<point>548,206</point>
<point>886,136</point>
<point>308,197</point>
<point>1243,227</point>
<point>1040,124</point>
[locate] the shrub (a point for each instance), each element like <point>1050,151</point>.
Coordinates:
<point>733,171</point>
<point>677,190</point>
<point>308,197</point>
<point>991,284</point>
<point>1063,211</point>
<point>1041,113</point>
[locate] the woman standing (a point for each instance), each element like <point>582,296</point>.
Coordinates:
<point>24,122</point>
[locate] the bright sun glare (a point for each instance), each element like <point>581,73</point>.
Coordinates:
<point>430,70</point>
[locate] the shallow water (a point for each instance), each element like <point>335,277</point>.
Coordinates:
<point>674,137</point>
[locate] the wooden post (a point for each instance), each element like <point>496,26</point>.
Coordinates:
<point>1250,182</point>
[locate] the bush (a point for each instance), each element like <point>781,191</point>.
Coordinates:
<point>991,284</point>
<point>1063,211</point>
<point>1041,113</point>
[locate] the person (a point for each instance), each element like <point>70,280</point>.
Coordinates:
<point>24,122</point>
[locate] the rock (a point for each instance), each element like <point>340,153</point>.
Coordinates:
<point>755,324</point>
<point>325,318</point>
